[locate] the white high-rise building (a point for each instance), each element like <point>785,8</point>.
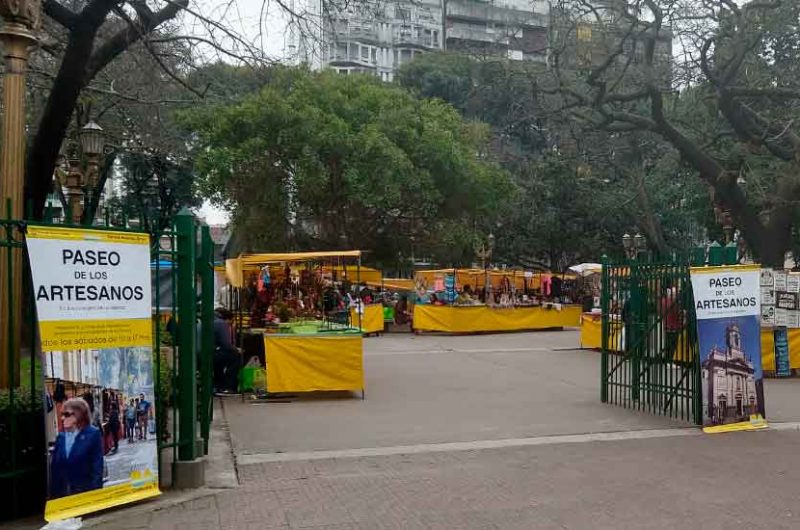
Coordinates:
<point>380,36</point>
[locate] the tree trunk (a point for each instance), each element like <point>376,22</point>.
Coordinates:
<point>54,123</point>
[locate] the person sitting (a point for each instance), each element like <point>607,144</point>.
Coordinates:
<point>465,296</point>
<point>227,359</point>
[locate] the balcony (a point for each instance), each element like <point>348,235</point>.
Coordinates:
<point>484,12</point>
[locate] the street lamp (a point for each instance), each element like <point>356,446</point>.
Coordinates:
<point>639,243</point>
<point>84,182</point>
<point>484,253</point>
<point>93,141</point>
<point>627,244</point>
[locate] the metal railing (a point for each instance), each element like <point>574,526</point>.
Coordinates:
<point>649,349</point>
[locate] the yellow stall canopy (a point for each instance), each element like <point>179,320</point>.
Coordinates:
<point>476,278</point>
<point>393,284</point>
<point>235,267</point>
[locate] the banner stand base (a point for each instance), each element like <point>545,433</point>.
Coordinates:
<point>189,474</point>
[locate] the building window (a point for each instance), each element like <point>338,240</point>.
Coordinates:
<point>403,13</point>
<point>365,53</point>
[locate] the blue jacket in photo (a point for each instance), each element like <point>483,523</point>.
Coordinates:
<point>83,469</point>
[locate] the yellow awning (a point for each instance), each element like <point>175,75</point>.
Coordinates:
<point>233,271</point>
<point>264,259</point>
<point>397,284</point>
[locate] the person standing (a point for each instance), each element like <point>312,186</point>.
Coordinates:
<point>130,421</point>
<point>113,423</point>
<point>142,415</point>
<point>76,464</point>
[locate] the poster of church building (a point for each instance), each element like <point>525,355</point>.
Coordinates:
<point>728,309</point>
<point>732,379</point>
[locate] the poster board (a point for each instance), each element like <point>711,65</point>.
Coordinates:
<point>92,290</point>
<point>728,308</point>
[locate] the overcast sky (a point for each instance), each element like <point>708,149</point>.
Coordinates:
<point>260,23</point>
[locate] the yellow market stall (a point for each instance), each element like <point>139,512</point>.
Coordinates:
<point>591,331</point>
<point>478,300</point>
<point>476,319</point>
<point>323,362</point>
<point>308,346</point>
<point>370,320</point>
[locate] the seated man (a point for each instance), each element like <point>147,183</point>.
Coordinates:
<point>227,359</point>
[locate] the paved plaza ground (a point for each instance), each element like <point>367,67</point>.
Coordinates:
<point>488,431</point>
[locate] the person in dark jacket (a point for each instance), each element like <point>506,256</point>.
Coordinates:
<point>76,464</point>
<point>227,359</point>
<point>114,423</point>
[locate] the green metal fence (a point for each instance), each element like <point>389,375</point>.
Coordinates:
<point>649,341</point>
<point>183,349</point>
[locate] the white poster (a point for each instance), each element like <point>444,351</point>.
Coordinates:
<point>781,278</point>
<point>793,283</point>
<point>726,292</point>
<point>767,279</point>
<point>91,287</point>
<point>767,296</point>
<point>767,315</point>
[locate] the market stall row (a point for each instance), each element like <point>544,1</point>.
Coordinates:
<point>478,301</point>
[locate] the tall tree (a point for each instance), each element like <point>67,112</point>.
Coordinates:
<point>324,160</point>
<point>727,103</point>
<point>580,189</point>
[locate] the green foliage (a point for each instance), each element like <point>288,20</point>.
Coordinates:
<point>155,188</point>
<point>579,190</point>
<point>23,401</point>
<point>320,160</point>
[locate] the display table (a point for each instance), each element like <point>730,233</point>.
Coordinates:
<point>314,361</point>
<point>475,319</point>
<point>371,320</point>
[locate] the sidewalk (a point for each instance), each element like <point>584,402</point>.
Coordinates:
<point>739,480</point>
<point>493,431</point>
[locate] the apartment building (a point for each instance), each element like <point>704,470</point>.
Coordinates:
<point>378,37</point>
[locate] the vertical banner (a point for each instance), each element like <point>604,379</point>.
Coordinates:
<point>727,303</point>
<point>782,366</point>
<point>93,302</point>
<point>450,287</point>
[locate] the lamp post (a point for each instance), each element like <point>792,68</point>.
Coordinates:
<point>82,183</point>
<point>20,21</point>
<point>484,253</point>
<point>627,244</point>
<point>639,244</point>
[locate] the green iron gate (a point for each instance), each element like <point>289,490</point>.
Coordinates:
<point>649,340</point>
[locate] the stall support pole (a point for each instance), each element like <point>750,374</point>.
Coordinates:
<point>361,300</point>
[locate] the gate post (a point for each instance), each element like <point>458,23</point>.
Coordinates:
<point>189,472</point>
<point>633,345</point>
<point>605,309</point>
<point>205,266</point>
